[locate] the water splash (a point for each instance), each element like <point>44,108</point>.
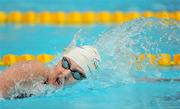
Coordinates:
<point>120,45</point>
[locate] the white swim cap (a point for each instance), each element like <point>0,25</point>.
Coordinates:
<point>86,57</point>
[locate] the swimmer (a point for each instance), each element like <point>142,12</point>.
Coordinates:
<point>72,67</point>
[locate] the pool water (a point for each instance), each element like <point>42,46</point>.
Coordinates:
<point>98,5</point>
<point>131,96</point>
<point>115,85</point>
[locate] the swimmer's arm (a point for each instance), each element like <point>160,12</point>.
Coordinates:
<point>23,71</point>
<point>159,79</point>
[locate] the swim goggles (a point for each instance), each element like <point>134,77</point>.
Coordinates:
<point>76,74</point>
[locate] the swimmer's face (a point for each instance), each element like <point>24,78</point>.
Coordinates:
<point>68,70</point>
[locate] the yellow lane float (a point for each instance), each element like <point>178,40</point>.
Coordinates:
<point>104,17</point>
<point>15,17</point>
<point>9,59</point>
<point>118,17</point>
<point>59,18</point>
<point>147,14</point>
<point>132,15</point>
<point>152,58</point>
<point>89,17</point>
<point>177,59</point>
<point>30,17</point>
<point>3,17</point>
<point>165,60</point>
<point>1,63</point>
<point>45,17</point>
<point>76,17</point>
<point>164,15</point>
<point>44,58</point>
<point>25,57</point>
<point>161,59</point>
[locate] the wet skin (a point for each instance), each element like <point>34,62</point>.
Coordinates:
<point>29,71</point>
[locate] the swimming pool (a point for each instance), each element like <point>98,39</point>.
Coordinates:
<point>114,85</point>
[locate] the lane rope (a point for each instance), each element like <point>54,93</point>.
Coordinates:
<point>160,59</point>
<point>75,17</point>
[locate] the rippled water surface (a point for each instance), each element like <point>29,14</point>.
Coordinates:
<point>116,83</point>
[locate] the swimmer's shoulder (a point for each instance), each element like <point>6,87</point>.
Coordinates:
<point>36,65</point>
<point>30,65</point>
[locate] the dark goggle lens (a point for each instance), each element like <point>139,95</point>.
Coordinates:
<point>78,75</point>
<point>65,63</point>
